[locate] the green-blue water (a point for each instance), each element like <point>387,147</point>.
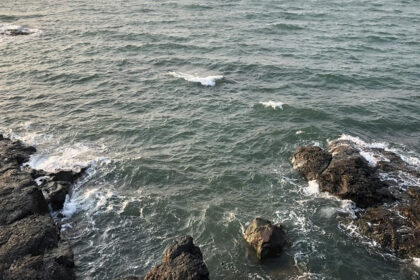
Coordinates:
<point>95,85</point>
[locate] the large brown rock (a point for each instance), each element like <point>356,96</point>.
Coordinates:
<point>311,161</point>
<point>266,238</point>
<point>14,152</point>
<point>412,209</point>
<point>19,197</point>
<point>55,193</point>
<point>182,261</point>
<point>391,231</point>
<point>347,174</point>
<point>54,264</point>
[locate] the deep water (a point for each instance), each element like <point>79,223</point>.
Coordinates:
<point>133,89</point>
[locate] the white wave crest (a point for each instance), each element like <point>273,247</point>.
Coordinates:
<point>416,262</point>
<point>92,200</point>
<point>205,81</point>
<point>313,187</point>
<point>273,104</point>
<point>367,151</point>
<point>65,158</point>
<point>11,29</point>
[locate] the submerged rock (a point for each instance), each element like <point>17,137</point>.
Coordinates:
<point>182,261</point>
<point>267,239</point>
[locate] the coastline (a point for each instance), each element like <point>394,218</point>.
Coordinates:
<point>32,246</point>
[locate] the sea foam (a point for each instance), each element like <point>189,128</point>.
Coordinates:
<point>313,187</point>
<point>272,104</point>
<point>205,81</point>
<point>12,30</point>
<point>66,158</point>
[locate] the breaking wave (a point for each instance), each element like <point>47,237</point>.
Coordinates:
<point>205,81</point>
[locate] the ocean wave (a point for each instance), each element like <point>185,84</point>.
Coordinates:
<point>73,157</point>
<point>374,152</point>
<point>205,81</point>
<point>15,30</point>
<point>313,187</point>
<point>272,104</point>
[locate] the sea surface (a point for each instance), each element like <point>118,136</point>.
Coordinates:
<point>188,112</point>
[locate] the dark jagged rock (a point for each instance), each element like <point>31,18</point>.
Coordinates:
<point>31,246</point>
<point>55,264</point>
<point>412,209</point>
<point>182,261</point>
<point>393,219</point>
<point>14,152</point>
<point>347,175</point>
<point>55,193</point>
<point>311,161</point>
<point>391,231</point>
<point>69,176</point>
<point>267,239</point>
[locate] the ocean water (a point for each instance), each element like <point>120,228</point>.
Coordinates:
<point>188,112</point>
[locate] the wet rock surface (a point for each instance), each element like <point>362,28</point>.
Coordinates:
<point>31,246</point>
<point>182,261</point>
<point>347,175</point>
<point>267,239</point>
<point>390,230</point>
<point>392,215</point>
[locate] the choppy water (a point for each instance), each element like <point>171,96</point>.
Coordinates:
<point>189,111</point>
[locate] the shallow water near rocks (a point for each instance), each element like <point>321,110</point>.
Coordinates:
<point>198,154</point>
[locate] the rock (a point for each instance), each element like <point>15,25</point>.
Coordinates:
<point>20,201</point>
<point>412,209</point>
<point>395,226</point>
<point>267,239</point>
<point>391,231</point>
<point>32,235</point>
<point>130,278</point>
<point>55,264</point>
<point>69,176</point>
<point>182,261</point>
<point>55,193</point>
<point>311,161</point>
<point>347,175</point>
<point>31,246</point>
<point>14,152</point>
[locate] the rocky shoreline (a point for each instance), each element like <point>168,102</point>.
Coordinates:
<point>31,245</point>
<point>390,213</point>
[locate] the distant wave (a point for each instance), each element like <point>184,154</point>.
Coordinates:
<point>205,81</point>
<point>10,29</point>
<point>273,104</point>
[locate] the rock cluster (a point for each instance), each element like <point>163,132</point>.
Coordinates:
<point>392,215</point>
<point>267,239</point>
<point>31,246</point>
